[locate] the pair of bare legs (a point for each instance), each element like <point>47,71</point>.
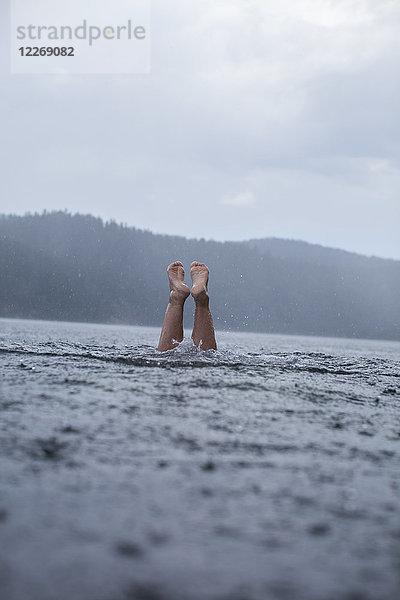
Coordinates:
<point>172,330</point>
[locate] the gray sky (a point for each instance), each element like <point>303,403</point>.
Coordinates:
<point>259,118</point>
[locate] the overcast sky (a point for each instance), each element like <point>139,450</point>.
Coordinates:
<point>259,118</point>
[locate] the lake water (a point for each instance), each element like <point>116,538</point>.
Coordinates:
<point>269,469</point>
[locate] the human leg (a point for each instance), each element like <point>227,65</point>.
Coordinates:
<point>172,329</point>
<point>203,334</point>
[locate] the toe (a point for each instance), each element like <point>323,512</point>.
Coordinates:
<point>197,264</point>
<point>175,265</point>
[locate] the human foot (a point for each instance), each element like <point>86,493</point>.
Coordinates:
<point>199,273</point>
<point>179,290</point>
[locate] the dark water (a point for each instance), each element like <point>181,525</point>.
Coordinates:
<point>269,469</point>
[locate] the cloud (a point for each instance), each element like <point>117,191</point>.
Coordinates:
<point>287,108</point>
<point>241,199</point>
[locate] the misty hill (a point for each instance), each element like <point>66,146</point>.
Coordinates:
<point>304,251</point>
<point>75,267</point>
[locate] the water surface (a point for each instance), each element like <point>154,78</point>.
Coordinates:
<point>266,469</point>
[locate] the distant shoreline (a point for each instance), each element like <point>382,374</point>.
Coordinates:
<point>76,268</point>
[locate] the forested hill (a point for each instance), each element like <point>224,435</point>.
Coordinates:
<point>75,267</point>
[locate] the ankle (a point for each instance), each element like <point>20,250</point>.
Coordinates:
<point>201,298</point>
<point>177,298</point>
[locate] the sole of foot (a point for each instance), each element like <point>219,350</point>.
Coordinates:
<point>179,291</point>
<point>199,273</point>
